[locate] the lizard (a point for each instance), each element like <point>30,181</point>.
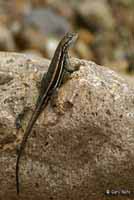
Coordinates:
<point>50,82</point>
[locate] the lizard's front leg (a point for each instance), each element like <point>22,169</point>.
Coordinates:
<point>68,66</point>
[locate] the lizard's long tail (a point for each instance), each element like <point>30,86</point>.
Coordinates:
<point>33,119</point>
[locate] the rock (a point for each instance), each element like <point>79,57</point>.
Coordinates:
<point>86,36</point>
<point>81,147</point>
<point>83,45</point>
<point>33,53</point>
<point>47,21</point>
<point>6,39</point>
<point>83,50</point>
<point>42,28</point>
<point>51,45</point>
<point>95,15</point>
<point>32,39</point>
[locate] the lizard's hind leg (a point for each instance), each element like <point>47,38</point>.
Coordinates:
<point>19,118</point>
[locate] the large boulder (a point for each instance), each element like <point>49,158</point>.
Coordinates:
<point>82,145</point>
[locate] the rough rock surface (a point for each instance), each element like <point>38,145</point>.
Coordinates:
<point>81,147</point>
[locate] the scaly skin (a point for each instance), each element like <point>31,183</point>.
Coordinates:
<point>50,82</point>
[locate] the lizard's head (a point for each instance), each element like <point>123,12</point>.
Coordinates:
<point>69,39</point>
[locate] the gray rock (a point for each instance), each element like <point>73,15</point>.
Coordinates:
<point>47,21</point>
<point>81,147</point>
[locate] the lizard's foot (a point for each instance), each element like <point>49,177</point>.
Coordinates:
<point>54,97</point>
<point>19,118</point>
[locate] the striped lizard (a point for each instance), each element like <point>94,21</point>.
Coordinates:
<point>52,80</point>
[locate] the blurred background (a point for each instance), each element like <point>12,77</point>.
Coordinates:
<point>105,28</point>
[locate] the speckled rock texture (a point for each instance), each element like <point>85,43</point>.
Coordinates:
<point>81,147</point>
